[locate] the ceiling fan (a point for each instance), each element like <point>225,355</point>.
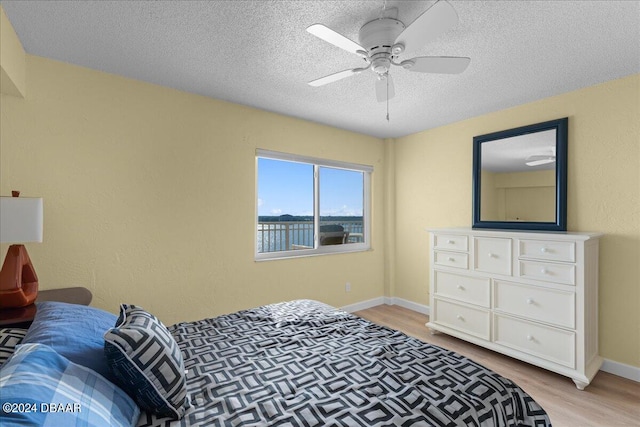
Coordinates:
<point>382,42</point>
<point>541,159</point>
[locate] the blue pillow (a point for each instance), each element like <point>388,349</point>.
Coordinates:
<point>147,362</point>
<point>42,388</point>
<point>75,331</point>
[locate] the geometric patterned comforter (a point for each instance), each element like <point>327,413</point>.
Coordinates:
<point>304,363</point>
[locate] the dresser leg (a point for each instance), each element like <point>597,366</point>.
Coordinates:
<point>581,385</point>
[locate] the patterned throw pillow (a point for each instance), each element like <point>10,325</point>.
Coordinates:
<point>9,339</point>
<point>42,388</point>
<point>147,362</point>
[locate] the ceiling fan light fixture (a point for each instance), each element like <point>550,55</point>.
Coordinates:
<point>407,64</point>
<point>397,49</point>
<point>380,63</point>
<point>537,161</point>
<point>542,158</point>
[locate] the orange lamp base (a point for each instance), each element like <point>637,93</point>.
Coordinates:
<point>18,279</point>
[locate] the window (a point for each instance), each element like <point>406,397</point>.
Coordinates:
<point>308,206</point>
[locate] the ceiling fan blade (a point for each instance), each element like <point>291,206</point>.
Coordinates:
<point>538,162</point>
<point>335,38</point>
<point>334,77</point>
<point>438,64</point>
<point>433,22</point>
<point>385,89</point>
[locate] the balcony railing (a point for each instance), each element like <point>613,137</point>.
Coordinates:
<point>276,236</point>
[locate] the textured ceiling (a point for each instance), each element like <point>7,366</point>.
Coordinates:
<point>510,154</point>
<point>258,53</point>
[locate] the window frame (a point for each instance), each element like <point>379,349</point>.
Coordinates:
<point>317,163</point>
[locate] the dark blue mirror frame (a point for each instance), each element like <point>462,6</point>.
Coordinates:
<point>561,127</point>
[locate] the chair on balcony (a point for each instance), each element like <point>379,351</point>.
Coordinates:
<point>333,234</point>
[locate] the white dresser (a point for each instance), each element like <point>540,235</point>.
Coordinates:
<point>529,295</point>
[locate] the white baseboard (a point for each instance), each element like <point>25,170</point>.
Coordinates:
<point>621,370</point>
<point>420,308</point>
<point>363,305</point>
<point>610,366</point>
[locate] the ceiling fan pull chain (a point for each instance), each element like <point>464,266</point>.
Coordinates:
<point>387,97</point>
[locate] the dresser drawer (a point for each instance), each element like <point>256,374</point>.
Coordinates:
<point>493,255</point>
<point>537,303</point>
<point>474,290</point>
<point>547,250</point>
<point>546,342</point>
<point>452,259</point>
<point>451,242</point>
<point>473,321</point>
<point>548,272</point>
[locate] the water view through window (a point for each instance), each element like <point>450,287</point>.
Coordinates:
<point>286,208</point>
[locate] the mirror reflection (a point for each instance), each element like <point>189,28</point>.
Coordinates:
<point>518,178</point>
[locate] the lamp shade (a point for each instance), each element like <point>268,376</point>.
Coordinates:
<point>20,219</point>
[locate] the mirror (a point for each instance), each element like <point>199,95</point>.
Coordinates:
<point>520,178</point>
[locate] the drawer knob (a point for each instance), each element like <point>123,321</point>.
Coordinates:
<point>459,317</point>
<point>451,259</point>
<point>460,287</point>
<point>544,250</point>
<point>530,338</point>
<point>529,300</point>
<point>543,270</point>
<point>451,242</point>
<point>492,255</point>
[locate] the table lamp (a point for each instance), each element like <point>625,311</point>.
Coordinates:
<point>20,222</point>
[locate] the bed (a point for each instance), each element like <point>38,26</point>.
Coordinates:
<point>304,363</point>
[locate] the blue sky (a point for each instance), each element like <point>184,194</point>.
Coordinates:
<point>287,188</point>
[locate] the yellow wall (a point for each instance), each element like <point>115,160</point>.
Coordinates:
<point>530,204</point>
<point>433,189</point>
<point>12,62</point>
<point>492,201</point>
<point>518,196</point>
<point>149,195</point>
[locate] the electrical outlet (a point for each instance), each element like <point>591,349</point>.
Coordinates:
<point>347,287</point>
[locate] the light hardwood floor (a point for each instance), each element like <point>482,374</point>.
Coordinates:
<point>608,401</point>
